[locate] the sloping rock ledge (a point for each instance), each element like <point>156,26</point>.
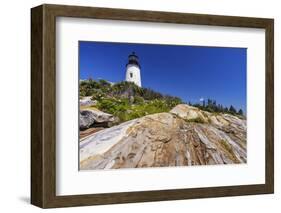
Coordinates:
<point>167,139</point>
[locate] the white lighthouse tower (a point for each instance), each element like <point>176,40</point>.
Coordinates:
<point>133,69</point>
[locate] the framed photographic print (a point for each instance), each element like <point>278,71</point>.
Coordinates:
<point>136,106</point>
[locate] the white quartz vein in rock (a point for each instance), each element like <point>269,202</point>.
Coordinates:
<point>98,144</point>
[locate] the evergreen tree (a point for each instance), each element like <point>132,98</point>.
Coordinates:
<point>232,109</point>
<point>214,103</point>
<point>240,112</point>
<point>209,102</point>
<point>226,110</point>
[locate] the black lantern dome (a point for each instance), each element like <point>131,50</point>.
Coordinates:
<point>133,59</point>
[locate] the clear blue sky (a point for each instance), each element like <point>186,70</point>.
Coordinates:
<point>189,72</point>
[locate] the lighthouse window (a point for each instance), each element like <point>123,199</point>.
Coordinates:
<point>131,75</point>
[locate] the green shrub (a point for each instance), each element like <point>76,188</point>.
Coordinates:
<point>117,99</point>
<point>126,111</point>
<point>98,95</point>
<point>138,100</point>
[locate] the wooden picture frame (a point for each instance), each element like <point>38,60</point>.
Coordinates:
<point>43,105</point>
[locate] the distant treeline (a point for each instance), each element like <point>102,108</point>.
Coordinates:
<point>212,106</point>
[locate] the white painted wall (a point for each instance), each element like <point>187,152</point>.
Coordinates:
<point>133,74</point>
<point>15,105</point>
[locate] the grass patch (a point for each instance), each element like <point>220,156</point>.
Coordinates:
<point>196,120</point>
<point>125,111</point>
<point>88,107</point>
<point>228,148</point>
